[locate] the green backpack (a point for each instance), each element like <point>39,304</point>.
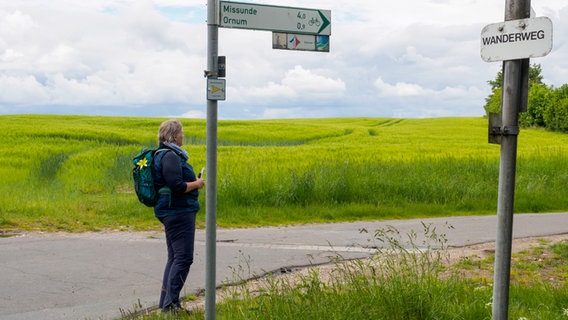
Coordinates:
<point>143,178</point>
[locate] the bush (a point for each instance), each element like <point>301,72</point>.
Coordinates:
<point>556,116</point>
<point>541,98</point>
<point>546,108</point>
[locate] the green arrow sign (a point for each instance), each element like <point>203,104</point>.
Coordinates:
<point>274,18</point>
<point>325,23</point>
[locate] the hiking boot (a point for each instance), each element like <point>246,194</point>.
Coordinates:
<point>175,309</point>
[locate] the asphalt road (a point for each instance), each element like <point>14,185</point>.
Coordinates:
<point>96,275</point>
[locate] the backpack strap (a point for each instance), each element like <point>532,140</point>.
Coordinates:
<point>160,150</point>
<point>165,190</point>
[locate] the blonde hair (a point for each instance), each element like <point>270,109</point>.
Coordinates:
<point>168,130</point>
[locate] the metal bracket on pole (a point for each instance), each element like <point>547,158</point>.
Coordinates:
<point>504,131</point>
<point>495,123</point>
<point>524,93</point>
<point>496,133</point>
<point>497,130</point>
<point>209,74</point>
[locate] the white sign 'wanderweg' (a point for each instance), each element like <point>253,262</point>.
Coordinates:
<point>516,39</point>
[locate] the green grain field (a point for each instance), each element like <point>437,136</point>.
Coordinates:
<point>73,173</point>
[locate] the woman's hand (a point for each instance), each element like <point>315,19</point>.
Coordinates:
<point>197,184</point>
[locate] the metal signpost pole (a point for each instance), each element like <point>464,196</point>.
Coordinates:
<point>512,70</point>
<point>211,158</point>
<point>233,15</point>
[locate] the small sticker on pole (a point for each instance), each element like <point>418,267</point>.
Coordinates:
<point>216,89</point>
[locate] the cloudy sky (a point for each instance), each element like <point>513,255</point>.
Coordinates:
<point>404,58</point>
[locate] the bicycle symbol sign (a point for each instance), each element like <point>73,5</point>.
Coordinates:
<point>274,18</point>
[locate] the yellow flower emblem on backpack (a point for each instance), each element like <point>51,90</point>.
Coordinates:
<point>142,163</point>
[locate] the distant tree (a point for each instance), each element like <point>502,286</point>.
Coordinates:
<point>493,101</point>
<point>562,92</point>
<point>541,98</point>
<point>535,76</point>
<point>547,106</point>
<point>556,115</point>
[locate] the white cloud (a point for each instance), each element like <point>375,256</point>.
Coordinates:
<point>129,56</point>
<point>10,55</point>
<point>270,91</point>
<point>307,82</point>
<point>297,84</point>
<point>282,113</point>
<point>416,58</point>
<point>13,24</point>
<point>19,89</point>
<point>403,89</point>
<point>399,89</point>
<point>193,114</point>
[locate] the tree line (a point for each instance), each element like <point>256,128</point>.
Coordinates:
<point>547,105</point>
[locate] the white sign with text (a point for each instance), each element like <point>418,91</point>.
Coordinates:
<point>516,39</point>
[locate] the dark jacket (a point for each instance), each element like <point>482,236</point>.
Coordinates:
<point>171,171</point>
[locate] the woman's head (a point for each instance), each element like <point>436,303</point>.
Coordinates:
<point>171,131</point>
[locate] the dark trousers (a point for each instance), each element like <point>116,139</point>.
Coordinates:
<point>180,238</point>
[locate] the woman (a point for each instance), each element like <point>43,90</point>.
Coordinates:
<point>176,209</point>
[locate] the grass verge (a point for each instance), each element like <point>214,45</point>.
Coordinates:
<point>408,278</point>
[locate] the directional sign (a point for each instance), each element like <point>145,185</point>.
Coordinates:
<point>216,89</point>
<point>274,18</point>
<point>305,42</point>
<point>516,39</point>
